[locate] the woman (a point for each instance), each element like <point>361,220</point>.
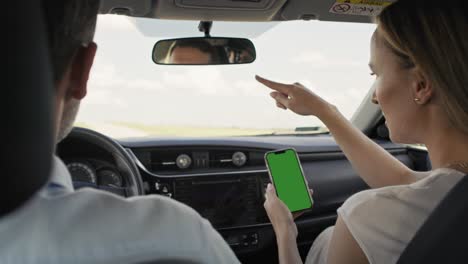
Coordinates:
<point>419,57</point>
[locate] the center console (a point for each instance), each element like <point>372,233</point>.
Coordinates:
<point>233,203</point>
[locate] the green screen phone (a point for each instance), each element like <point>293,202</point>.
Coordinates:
<point>288,178</point>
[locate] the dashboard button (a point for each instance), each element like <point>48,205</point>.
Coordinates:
<point>183,161</point>
<point>239,159</point>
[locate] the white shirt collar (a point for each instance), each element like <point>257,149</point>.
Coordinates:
<point>60,176</point>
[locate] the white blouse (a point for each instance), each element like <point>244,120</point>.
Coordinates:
<point>384,220</point>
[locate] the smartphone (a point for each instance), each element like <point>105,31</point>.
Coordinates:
<point>287,176</point>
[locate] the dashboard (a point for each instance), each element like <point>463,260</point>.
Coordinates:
<point>224,179</point>
<point>99,162</point>
<point>95,173</point>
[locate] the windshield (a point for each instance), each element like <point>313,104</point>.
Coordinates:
<point>130,96</point>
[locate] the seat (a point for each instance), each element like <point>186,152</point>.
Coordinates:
<point>27,100</point>
<point>443,238</point>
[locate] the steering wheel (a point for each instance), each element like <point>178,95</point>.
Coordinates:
<point>123,161</point>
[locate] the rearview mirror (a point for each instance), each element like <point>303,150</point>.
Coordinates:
<point>204,51</point>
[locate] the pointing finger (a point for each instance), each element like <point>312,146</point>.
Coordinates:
<point>280,87</point>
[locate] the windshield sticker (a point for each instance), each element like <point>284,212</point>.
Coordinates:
<point>359,7</point>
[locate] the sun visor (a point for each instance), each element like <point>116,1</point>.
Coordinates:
<point>206,10</point>
<point>219,10</point>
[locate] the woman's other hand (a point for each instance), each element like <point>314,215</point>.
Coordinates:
<point>279,214</point>
<point>297,98</point>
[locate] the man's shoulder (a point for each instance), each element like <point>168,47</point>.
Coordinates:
<point>140,228</point>
<point>100,218</point>
<point>140,206</point>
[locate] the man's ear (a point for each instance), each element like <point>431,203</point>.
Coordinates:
<point>81,67</point>
<point>422,88</point>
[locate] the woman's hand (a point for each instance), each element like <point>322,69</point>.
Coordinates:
<point>284,227</point>
<point>279,214</point>
<point>298,98</point>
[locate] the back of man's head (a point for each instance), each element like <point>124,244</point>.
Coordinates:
<point>70,24</point>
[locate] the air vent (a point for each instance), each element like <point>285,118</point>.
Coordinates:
<point>221,159</point>
<point>164,160</point>
<point>228,159</point>
<point>257,158</point>
<point>178,160</point>
<point>197,160</point>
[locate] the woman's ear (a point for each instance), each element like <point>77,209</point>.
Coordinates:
<point>422,88</point>
<point>81,67</point>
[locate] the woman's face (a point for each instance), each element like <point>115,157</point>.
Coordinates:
<point>393,92</point>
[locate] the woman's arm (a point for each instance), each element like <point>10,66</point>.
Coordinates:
<point>288,253</point>
<point>375,165</point>
<point>343,248</point>
<point>284,227</point>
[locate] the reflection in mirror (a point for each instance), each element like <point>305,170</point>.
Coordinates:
<point>204,51</point>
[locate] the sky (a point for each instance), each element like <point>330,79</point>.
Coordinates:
<point>125,85</point>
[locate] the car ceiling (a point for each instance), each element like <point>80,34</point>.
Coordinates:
<point>235,10</point>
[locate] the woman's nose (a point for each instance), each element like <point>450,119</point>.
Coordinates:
<point>374,98</point>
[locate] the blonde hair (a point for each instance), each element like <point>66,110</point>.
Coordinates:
<point>432,36</point>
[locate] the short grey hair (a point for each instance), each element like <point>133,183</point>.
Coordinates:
<point>70,24</point>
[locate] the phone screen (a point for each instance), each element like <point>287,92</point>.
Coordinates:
<point>288,179</point>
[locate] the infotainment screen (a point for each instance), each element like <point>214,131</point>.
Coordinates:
<point>225,203</point>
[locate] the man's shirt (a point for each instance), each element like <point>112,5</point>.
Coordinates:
<point>60,225</point>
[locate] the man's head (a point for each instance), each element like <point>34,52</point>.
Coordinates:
<point>188,51</point>
<point>71,25</point>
